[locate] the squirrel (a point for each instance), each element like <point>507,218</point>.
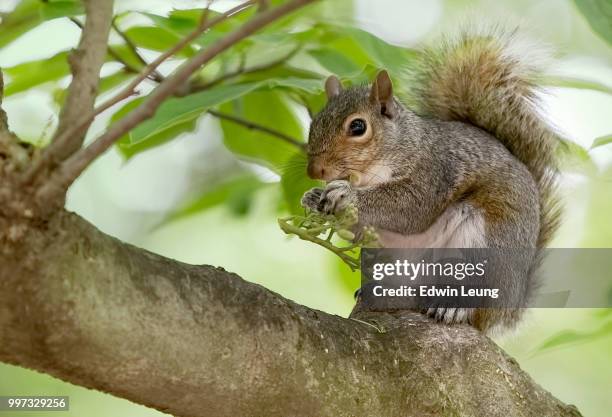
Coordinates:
<point>471,165</point>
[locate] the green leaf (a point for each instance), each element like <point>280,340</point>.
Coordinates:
<point>27,75</point>
<point>335,62</point>
<point>114,80</point>
<point>575,158</point>
<point>177,25</point>
<point>601,141</point>
<point>573,82</point>
<point>599,15</point>
<point>126,54</point>
<point>156,39</point>
<point>128,149</point>
<point>61,8</point>
<point>106,83</point>
<point>295,182</point>
<point>237,193</point>
<point>383,54</point>
<point>30,13</point>
<point>174,116</point>
<point>348,50</point>
<point>306,85</point>
<point>269,109</point>
<point>31,74</point>
<point>184,21</point>
<point>283,72</point>
<point>568,337</point>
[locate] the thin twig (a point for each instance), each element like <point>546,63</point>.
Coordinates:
<point>155,75</point>
<point>255,126</point>
<point>50,154</point>
<point>112,52</point>
<point>244,71</point>
<point>288,228</point>
<point>206,14</point>
<point>75,165</point>
<point>263,5</point>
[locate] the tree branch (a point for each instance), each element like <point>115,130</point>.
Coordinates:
<point>51,153</point>
<point>256,126</point>
<point>167,88</point>
<point>72,168</point>
<point>155,76</point>
<point>15,155</point>
<point>111,51</point>
<point>244,71</point>
<point>199,341</point>
<point>85,62</point>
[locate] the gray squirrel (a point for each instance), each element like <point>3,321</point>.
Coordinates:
<point>471,166</point>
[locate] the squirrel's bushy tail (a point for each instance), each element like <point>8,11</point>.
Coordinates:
<point>487,78</point>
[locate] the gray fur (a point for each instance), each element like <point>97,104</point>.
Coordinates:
<point>444,157</point>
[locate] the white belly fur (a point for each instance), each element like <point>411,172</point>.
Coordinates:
<point>460,226</point>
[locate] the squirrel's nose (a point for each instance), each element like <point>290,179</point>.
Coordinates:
<point>316,171</point>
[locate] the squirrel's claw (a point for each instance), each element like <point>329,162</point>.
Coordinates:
<point>331,200</point>
<point>336,197</point>
<point>311,198</point>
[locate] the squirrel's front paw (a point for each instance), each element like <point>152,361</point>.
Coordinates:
<point>336,197</point>
<point>311,198</point>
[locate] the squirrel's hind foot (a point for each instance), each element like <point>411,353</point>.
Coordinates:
<point>449,315</point>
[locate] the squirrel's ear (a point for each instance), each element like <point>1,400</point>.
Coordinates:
<point>382,94</point>
<point>332,86</point>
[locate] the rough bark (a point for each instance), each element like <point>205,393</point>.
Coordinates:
<point>199,341</point>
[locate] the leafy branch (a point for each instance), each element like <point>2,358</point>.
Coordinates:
<point>320,228</point>
<point>81,125</point>
<point>72,167</point>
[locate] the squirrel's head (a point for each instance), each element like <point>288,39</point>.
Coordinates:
<point>346,138</point>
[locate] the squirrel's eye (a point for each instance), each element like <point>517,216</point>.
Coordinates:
<point>357,127</point>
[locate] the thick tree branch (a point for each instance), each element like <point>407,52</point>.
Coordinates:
<point>85,62</point>
<point>199,341</point>
<point>72,168</point>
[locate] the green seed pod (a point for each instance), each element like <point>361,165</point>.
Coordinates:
<point>369,234</point>
<point>346,234</point>
<point>350,215</point>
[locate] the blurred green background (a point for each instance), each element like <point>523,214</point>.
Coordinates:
<point>212,194</point>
